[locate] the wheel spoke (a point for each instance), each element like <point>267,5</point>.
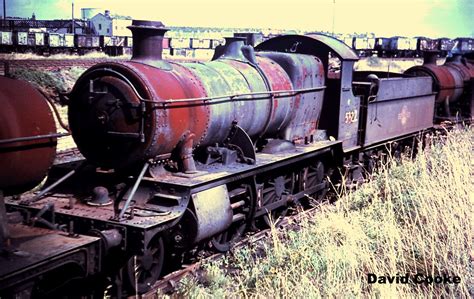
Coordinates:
<point>141,276</point>
<point>273,191</point>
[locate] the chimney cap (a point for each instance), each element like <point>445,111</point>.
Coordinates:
<point>142,24</point>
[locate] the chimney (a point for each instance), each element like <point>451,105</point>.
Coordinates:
<point>430,57</point>
<point>107,13</point>
<point>147,40</point>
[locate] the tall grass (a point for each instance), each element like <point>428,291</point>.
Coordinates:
<point>413,216</point>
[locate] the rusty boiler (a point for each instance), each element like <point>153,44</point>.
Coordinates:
<point>122,113</point>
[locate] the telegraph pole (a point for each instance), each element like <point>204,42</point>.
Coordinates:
<point>333,15</point>
<point>72,17</point>
<point>4,9</point>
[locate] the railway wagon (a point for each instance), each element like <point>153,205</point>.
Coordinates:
<point>200,43</point>
<point>364,46</point>
<point>86,43</point>
<point>464,45</point>
<point>382,46</point>
<point>180,43</point>
<point>403,46</point>
<point>24,41</point>
<point>216,42</point>
<point>6,41</point>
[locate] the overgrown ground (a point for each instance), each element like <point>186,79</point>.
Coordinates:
<point>412,217</point>
<point>50,82</point>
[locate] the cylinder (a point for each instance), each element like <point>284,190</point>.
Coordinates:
<point>24,113</point>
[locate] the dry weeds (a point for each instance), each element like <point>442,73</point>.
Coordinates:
<point>413,216</point>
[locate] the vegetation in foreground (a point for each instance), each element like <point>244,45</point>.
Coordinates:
<point>61,80</point>
<point>50,82</point>
<point>413,216</point>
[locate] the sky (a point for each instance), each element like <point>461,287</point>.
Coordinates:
<point>433,18</point>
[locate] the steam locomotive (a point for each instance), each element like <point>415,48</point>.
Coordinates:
<point>183,154</point>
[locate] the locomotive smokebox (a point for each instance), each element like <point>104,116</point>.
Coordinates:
<point>147,40</point>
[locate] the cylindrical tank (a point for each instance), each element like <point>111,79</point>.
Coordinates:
<point>465,68</point>
<point>449,79</point>
<point>24,113</point>
<point>124,112</point>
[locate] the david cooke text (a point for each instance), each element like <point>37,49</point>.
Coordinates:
<point>417,278</point>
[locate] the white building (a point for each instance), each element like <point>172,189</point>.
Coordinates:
<point>106,24</point>
<point>119,27</point>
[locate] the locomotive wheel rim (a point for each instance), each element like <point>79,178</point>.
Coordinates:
<point>223,242</point>
<point>274,193</point>
<point>144,270</point>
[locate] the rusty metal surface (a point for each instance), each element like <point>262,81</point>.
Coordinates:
<point>464,67</point>
<point>222,77</point>
<point>169,283</point>
<point>38,251</point>
<point>448,81</point>
<point>277,79</point>
<point>24,113</point>
<point>349,108</point>
<point>305,71</point>
<point>106,119</point>
<point>399,88</point>
<point>339,100</point>
<point>402,106</point>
